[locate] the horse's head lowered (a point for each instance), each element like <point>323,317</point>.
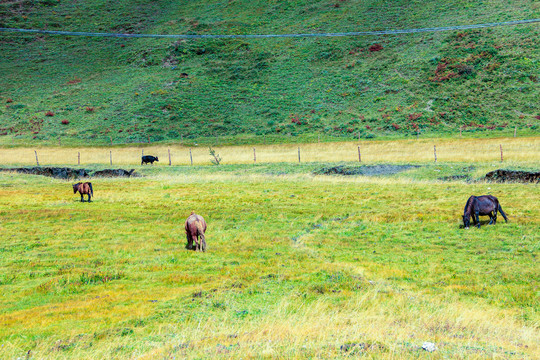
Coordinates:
<point>466,221</point>
<point>467,212</point>
<point>76,187</point>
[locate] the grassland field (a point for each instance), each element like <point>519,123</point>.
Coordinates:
<point>298,265</point>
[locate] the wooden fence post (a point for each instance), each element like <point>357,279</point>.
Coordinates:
<point>359,156</point>
<point>435,152</point>
<point>79,158</point>
<point>515,131</point>
<point>37,161</point>
<point>254,156</point>
<point>110,156</point>
<point>460,131</point>
<point>110,137</point>
<point>142,152</point>
<point>190,156</point>
<point>501,153</point>
<point>170,163</point>
<point>298,154</point>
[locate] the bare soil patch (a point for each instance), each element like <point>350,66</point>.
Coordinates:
<point>367,170</point>
<point>70,173</point>
<point>502,175</point>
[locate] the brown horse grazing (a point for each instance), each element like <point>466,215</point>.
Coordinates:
<point>195,228</point>
<point>482,205</point>
<point>84,188</point>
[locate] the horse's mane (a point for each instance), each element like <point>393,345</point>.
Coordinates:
<point>469,204</point>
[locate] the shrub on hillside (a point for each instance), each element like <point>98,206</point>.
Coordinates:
<point>375,47</point>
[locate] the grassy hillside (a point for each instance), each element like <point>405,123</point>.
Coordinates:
<point>92,90</point>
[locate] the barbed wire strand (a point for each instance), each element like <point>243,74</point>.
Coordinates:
<point>240,36</point>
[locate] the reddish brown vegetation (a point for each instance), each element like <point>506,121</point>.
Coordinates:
<point>74,81</point>
<point>90,109</point>
<point>440,74</point>
<point>414,116</point>
<point>65,121</point>
<point>9,101</point>
<point>49,113</point>
<point>375,47</point>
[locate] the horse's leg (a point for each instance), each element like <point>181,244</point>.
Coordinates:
<point>82,199</point>
<point>477,213</point>
<point>189,245</point>
<point>495,216</point>
<point>492,218</point>
<point>194,240</point>
<point>89,198</point>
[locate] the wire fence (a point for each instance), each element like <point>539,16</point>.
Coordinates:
<point>526,150</point>
<point>244,36</point>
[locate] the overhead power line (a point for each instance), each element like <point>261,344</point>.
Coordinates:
<point>240,36</point>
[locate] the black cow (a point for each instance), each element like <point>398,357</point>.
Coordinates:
<point>149,159</point>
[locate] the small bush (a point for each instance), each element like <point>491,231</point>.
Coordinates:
<point>49,113</point>
<point>65,121</point>
<point>216,158</point>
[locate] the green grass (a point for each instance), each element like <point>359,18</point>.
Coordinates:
<point>250,90</point>
<point>296,266</point>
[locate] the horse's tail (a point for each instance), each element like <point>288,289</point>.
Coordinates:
<point>91,190</point>
<point>200,233</point>
<point>200,230</point>
<point>502,213</point>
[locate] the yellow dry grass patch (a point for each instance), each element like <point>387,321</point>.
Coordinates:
<point>525,149</point>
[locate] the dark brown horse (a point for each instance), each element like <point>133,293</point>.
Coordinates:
<point>482,205</point>
<point>195,228</point>
<point>84,188</point>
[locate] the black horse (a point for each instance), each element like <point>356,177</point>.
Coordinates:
<point>482,205</point>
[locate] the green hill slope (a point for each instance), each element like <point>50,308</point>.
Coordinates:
<point>92,90</point>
